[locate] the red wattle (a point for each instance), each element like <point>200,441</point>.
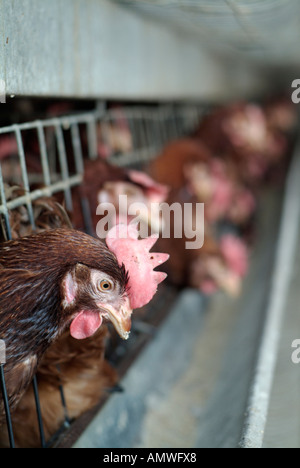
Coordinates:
<point>85,324</point>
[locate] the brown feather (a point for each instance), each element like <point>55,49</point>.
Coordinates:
<point>81,368</point>
<point>168,167</point>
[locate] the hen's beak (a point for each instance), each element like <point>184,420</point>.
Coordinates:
<point>119,317</point>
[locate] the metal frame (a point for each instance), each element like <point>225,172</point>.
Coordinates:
<point>261,388</point>
<point>243,28</point>
<point>36,39</point>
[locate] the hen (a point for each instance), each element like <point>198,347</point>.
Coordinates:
<point>241,133</point>
<point>196,175</point>
<point>105,183</point>
<point>84,372</point>
<point>43,293</point>
<point>47,214</point>
<point>218,264</point>
<point>77,365</point>
<point>211,180</point>
<point>169,166</point>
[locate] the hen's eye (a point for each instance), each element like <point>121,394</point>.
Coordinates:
<point>105,285</point>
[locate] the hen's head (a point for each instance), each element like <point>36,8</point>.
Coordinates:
<point>61,278</point>
<point>131,194</point>
<point>126,281</point>
<point>142,197</point>
<point>96,295</point>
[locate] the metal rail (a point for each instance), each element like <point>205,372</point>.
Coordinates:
<point>240,27</point>
<point>259,398</point>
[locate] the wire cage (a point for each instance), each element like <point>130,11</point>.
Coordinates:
<point>61,144</point>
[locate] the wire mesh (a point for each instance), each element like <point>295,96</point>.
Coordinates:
<point>49,159</point>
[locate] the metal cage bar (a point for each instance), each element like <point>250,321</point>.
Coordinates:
<point>4,394</point>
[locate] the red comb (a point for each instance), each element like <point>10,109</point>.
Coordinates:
<point>135,254</point>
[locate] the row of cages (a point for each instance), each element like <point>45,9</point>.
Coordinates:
<point>46,162</point>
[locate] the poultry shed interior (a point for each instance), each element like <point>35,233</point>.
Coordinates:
<point>177,325</point>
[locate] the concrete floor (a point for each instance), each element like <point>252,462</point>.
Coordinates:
<point>173,418</point>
